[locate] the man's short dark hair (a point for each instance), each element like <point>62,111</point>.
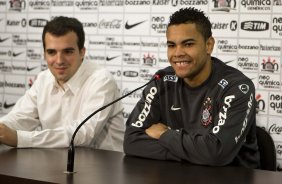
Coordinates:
<point>61,25</point>
<point>192,15</point>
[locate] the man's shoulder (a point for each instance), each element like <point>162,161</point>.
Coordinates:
<point>44,75</point>
<point>224,71</point>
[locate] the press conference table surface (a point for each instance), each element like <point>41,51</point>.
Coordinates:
<point>108,167</point>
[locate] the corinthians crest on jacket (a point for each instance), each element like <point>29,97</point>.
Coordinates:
<point>207,114</point>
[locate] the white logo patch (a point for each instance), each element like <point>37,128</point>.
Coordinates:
<point>172,78</point>
<point>244,88</point>
<point>223,83</point>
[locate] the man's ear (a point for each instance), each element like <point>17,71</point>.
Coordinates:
<point>82,53</point>
<point>210,45</point>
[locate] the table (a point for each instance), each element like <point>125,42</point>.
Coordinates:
<point>109,167</point>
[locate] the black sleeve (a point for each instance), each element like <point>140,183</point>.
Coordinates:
<point>231,124</point>
<point>145,113</point>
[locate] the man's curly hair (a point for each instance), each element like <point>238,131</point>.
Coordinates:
<point>192,15</point>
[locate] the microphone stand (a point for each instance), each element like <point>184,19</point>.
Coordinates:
<point>71,150</point>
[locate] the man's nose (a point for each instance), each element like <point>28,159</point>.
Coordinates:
<point>59,58</point>
<point>179,51</point>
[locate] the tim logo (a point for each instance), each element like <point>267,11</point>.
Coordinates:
<point>37,22</point>
<point>17,5</point>
<point>130,74</point>
<point>269,65</point>
<point>260,104</point>
<point>254,26</point>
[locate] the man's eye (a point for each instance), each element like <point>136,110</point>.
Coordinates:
<point>51,52</point>
<point>189,44</point>
<point>69,51</point>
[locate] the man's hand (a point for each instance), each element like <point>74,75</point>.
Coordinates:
<point>8,136</point>
<point>156,130</point>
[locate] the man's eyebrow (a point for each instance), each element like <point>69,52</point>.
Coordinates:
<point>69,48</point>
<point>183,41</point>
<point>50,49</point>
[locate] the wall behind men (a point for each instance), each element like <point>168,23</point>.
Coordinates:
<point>128,37</point>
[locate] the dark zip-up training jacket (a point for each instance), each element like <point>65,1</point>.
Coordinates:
<point>212,124</point>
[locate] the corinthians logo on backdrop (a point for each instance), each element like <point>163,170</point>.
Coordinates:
<point>269,65</point>
<point>17,5</point>
<point>149,60</point>
<point>224,5</point>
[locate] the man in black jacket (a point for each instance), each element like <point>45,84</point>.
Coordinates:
<point>201,111</point>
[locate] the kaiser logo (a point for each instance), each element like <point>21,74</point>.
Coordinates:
<point>233,25</point>
<point>160,2</point>
<point>254,26</point>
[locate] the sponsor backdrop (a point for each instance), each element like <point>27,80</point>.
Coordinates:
<point>128,38</point>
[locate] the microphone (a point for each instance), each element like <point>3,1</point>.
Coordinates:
<point>71,151</point>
